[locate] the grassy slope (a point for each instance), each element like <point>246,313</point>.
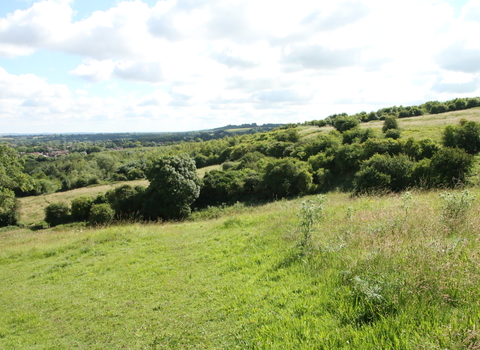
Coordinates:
<point>379,276</point>
<point>426,126</point>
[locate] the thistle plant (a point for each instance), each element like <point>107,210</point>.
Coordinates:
<point>309,214</point>
<point>407,201</point>
<point>456,205</point>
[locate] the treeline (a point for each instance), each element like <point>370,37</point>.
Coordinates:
<point>430,107</point>
<point>94,143</point>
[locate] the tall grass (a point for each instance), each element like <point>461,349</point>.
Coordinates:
<point>382,272</point>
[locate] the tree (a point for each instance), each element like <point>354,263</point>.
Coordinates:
<point>106,163</point>
<point>345,122</point>
<point>11,178</point>
<point>174,186</point>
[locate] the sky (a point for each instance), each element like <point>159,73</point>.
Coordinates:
<point>180,65</point>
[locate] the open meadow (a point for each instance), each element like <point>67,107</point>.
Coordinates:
<point>379,272</point>
<point>425,126</point>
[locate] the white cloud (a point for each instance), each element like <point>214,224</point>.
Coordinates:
<point>139,71</point>
<point>43,24</point>
<point>94,71</point>
<point>265,60</point>
<point>318,57</point>
<point>29,86</point>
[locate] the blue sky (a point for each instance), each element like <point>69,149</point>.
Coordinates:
<point>175,65</point>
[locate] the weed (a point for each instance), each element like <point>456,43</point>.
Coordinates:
<point>407,202</point>
<point>310,212</point>
<point>456,206</point>
<point>350,212</point>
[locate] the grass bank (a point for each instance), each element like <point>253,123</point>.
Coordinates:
<point>386,272</point>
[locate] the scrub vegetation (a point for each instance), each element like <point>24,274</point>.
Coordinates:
<point>346,233</point>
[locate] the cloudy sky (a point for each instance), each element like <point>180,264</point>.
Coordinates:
<point>175,65</point>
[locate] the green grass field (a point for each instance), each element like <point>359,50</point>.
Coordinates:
<point>426,126</point>
<point>382,272</point>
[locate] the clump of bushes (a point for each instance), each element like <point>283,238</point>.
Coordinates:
<point>101,214</point>
<point>57,214</point>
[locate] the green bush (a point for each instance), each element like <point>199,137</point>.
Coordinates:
<point>347,158</point>
<point>222,187</point>
<point>344,123</point>
<point>381,146</point>
<point>390,123</point>
<point>385,172</point>
<point>126,201</point>
<point>286,177</point>
<point>101,214</point>
<point>358,135</point>
<point>451,166</point>
<point>466,136</point>
<point>393,134</point>
<point>81,208</point>
<point>57,214</point>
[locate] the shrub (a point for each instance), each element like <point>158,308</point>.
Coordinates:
<point>358,135</point>
<point>372,116</point>
<point>381,146</point>
<point>286,177</point>
<point>439,108</point>
<point>101,214</point>
<point>466,136</point>
<point>347,158</point>
<point>344,123</point>
<point>392,134</point>
<point>385,172</point>
<point>390,123</point>
<point>451,166</point>
<point>126,201</point>
<point>222,187</point>
<point>473,102</point>
<point>81,208</point>
<point>57,214</point>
